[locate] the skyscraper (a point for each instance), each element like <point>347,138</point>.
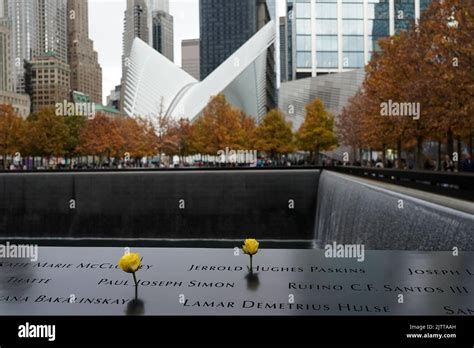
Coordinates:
<point>23,15</point>
<point>86,73</point>
<point>190,57</point>
<point>138,22</point>
<point>51,28</point>
<point>47,81</point>
<point>284,58</point>
<point>225,25</point>
<point>5,51</point>
<point>3,8</point>
<point>338,35</point>
<point>163,34</point>
<point>19,102</point>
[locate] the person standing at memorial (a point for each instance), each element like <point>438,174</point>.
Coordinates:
<point>467,163</point>
<point>448,164</point>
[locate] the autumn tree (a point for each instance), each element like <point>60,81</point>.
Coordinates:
<point>46,134</point>
<point>274,135</point>
<point>101,136</point>
<point>349,126</point>
<point>139,139</point>
<point>181,133</point>
<point>249,128</point>
<point>316,134</point>
<point>430,65</point>
<point>446,32</point>
<point>218,127</point>
<point>11,129</point>
<point>75,125</point>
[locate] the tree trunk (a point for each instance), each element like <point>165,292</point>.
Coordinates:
<point>471,135</point>
<point>439,155</point>
<point>459,150</point>
<point>399,150</point>
<point>317,155</point>
<point>419,153</point>
<point>450,144</point>
<point>384,155</point>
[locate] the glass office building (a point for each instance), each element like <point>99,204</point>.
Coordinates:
<point>339,35</point>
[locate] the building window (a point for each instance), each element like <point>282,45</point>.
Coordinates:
<point>326,10</point>
<point>326,27</point>
<point>404,14</point>
<point>379,28</point>
<point>373,44</point>
<point>352,27</point>
<point>303,10</point>
<point>303,59</point>
<point>303,26</point>
<point>353,60</point>
<point>353,11</point>
<point>303,43</point>
<point>353,43</point>
<point>326,60</point>
<point>326,43</point>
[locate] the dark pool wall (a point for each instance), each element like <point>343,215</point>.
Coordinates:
<point>352,211</point>
<point>217,204</point>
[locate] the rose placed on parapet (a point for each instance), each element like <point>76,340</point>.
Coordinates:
<point>250,248</point>
<point>130,263</point>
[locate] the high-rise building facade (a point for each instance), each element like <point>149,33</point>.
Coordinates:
<point>163,37</point>
<point>284,56</point>
<point>135,25</point>
<point>113,99</point>
<point>48,81</point>
<point>19,102</point>
<point>5,55</point>
<point>225,25</point>
<point>338,35</point>
<point>22,15</point>
<point>39,27</point>
<point>190,57</point>
<point>138,23</point>
<point>51,29</point>
<point>86,73</point>
<point>3,8</point>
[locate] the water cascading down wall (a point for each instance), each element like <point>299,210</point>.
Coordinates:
<point>301,204</point>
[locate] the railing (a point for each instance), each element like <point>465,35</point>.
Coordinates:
<point>179,169</point>
<point>456,185</point>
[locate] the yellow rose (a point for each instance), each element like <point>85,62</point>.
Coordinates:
<point>130,262</point>
<point>250,247</point>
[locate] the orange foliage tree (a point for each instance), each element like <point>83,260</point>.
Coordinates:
<point>220,126</point>
<point>430,65</point>
<point>11,132</point>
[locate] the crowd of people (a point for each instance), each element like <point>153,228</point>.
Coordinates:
<point>446,165</point>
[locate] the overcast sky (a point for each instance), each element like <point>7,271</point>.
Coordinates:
<point>106,28</point>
